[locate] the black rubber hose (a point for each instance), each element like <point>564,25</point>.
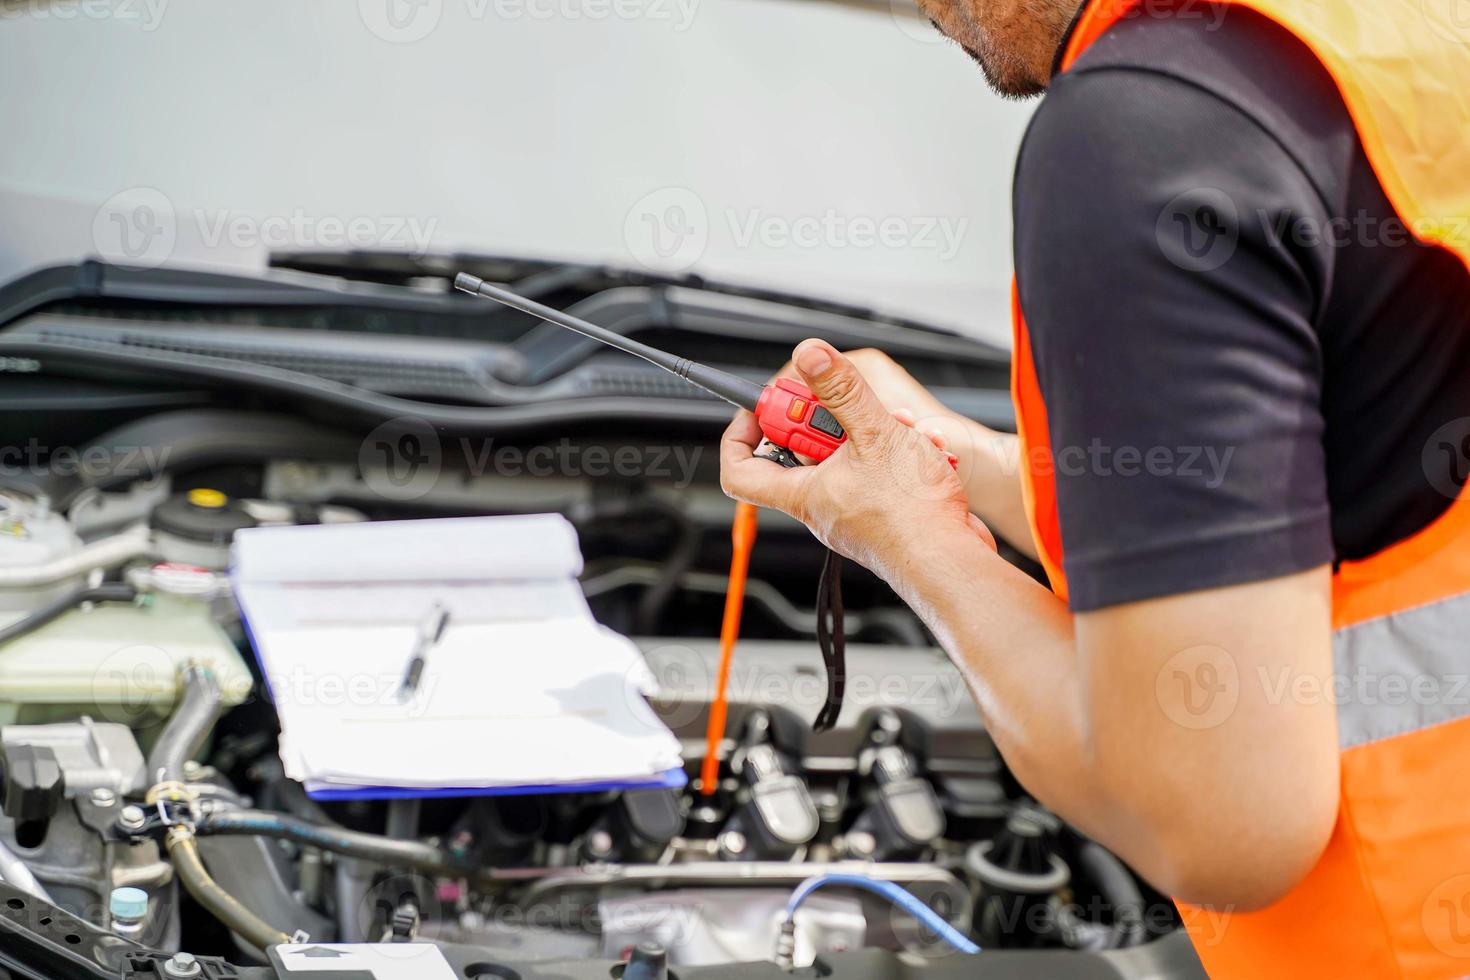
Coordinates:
<point>106,592</point>
<point>681,558</point>
<point>192,721</point>
<point>338,840</point>
<point>184,851</point>
<point>1118,888</point>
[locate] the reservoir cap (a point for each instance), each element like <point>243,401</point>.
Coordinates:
<point>129,904</point>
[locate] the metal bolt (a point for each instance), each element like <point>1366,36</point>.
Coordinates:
<point>102,796</point>
<point>192,770</point>
<point>599,843</point>
<point>732,844</point>
<point>182,965</point>
<point>861,843</point>
<point>132,817</point>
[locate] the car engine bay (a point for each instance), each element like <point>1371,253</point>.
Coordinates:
<point>143,792</point>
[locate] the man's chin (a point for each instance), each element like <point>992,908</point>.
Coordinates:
<point>1005,82</point>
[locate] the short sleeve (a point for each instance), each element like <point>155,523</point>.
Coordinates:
<point>1170,309</point>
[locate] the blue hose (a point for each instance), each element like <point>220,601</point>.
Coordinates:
<point>895,894</point>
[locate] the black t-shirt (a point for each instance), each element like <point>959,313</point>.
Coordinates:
<point>1250,367</point>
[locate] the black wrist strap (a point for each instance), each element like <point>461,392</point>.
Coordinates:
<point>831,636</point>
<point>831,639</point>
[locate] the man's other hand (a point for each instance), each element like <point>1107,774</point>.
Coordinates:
<point>881,494</point>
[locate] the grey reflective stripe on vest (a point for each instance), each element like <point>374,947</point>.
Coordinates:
<point>1403,672</point>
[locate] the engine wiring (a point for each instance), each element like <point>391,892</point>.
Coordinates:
<point>901,897</point>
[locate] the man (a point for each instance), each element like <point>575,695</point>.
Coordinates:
<point>1242,382</point>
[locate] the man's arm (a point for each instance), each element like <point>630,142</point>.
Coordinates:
<point>1166,729</point>
<point>1170,729</point>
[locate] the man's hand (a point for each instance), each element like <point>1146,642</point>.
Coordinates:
<point>989,461</point>
<point>884,491</point>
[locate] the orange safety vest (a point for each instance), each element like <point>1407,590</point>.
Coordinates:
<point>1390,897</point>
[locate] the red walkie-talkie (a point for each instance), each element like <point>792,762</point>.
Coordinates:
<point>789,415</point>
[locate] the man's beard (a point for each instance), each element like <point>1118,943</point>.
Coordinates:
<point>1008,73</point>
<point>1003,78</point>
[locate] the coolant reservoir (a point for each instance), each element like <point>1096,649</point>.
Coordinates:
<point>33,536</point>
<point>115,662</point>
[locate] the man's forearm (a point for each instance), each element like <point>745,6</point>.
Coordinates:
<point>990,466</point>
<point>1071,700</point>
<point>1012,640</point>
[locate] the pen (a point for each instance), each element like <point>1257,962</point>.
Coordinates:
<point>431,630</point>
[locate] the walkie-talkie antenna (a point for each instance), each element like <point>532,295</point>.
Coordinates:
<point>735,390</point>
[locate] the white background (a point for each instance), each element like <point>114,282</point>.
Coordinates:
<point>571,129</point>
